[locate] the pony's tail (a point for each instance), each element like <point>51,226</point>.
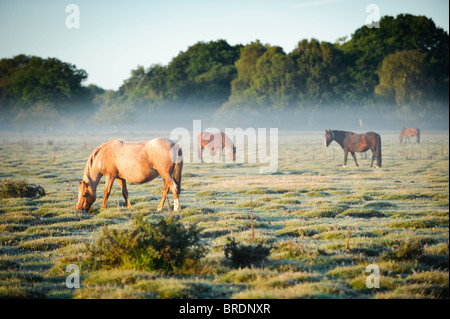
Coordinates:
<point>378,151</point>
<point>178,167</point>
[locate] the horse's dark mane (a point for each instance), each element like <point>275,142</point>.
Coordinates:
<point>339,136</point>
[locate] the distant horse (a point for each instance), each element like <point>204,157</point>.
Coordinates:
<point>135,162</point>
<point>216,142</point>
<point>352,143</point>
<point>409,132</point>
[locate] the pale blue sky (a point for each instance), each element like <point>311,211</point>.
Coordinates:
<point>116,36</point>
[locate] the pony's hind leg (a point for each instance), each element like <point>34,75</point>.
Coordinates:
<point>123,187</point>
<point>163,198</point>
<point>108,184</point>
<point>373,158</point>
<point>354,157</point>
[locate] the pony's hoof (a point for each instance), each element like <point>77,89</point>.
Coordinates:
<point>378,166</point>
<point>344,166</point>
<point>159,209</point>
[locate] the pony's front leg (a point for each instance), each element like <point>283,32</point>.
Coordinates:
<point>108,184</point>
<point>123,186</point>
<point>345,157</point>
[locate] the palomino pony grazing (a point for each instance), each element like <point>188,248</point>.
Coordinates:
<point>409,132</point>
<point>138,162</point>
<point>216,142</point>
<point>352,143</point>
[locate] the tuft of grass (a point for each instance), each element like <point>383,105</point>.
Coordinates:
<point>354,199</point>
<point>20,188</point>
<point>379,205</point>
<point>291,250</point>
<point>406,196</point>
<point>409,250</point>
<point>241,255</point>
<point>362,213</point>
<point>249,204</point>
<point>259,191</point>
<point>413,223</point>
<point>325,213</point>
<point>168,246</point>
<point>207,193</point>
<point>317,193</point>
<point>288,202</point>
<point>429,277</point>
<point>188,211</point>
<point>346,272</point>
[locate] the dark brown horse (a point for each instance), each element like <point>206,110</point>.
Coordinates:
<point>409,132</point>
<point>138,162</point>
<point>216,142</point>
<point>351,142</point>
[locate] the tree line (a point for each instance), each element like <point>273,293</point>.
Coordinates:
<point>402,65</point>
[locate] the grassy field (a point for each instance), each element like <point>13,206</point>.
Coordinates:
<point>325,223</point>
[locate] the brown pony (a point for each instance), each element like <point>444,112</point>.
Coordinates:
<point>352,143</point>
<point>409,132</point>
<point>138,162</point>
<point>216,142</point>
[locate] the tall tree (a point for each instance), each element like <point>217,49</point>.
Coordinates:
<point>403,79</point>
<point>368,47</point>
<point>319,70</point>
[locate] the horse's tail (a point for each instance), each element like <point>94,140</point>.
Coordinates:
<point>178,167</point>
<point>378,150</point>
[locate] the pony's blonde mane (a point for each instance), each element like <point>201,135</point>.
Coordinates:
<point>87,177</point>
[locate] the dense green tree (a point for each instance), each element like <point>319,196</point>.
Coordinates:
<point>319,70</point>
<point>46,80</point>
<point>368,47</point>
<point>203,73</point>
<point>242,89</point>
<point>274,79</point>
<point>404,81</point>
<point>403,63</point>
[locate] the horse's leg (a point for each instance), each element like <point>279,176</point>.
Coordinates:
<point>373,157</point>
<point>164,195</point>
<point>109,180</point>
<point>123,187</point>
<point>174,188</point>
<point>345,156</point>
<point>354,157</point>
<point>219,149</point>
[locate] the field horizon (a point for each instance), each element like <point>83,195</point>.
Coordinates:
<point>324,223</point>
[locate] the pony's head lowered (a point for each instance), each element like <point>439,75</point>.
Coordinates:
<point>85,196</point>
<point>329,136</point>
